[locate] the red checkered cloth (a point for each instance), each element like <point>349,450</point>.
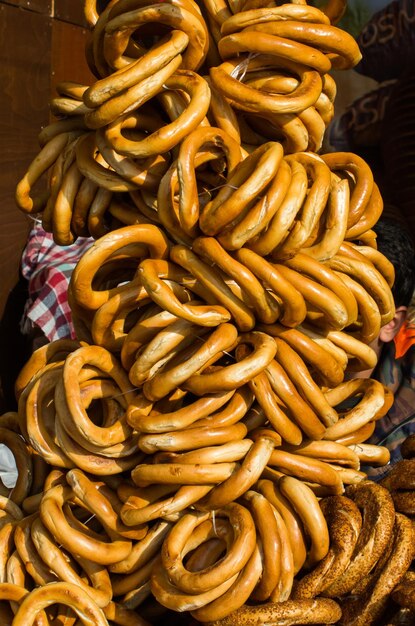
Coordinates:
<point>48,268</point>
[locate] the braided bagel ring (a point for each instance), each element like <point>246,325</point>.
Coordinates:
<point>64,593</point>
<point>113,413</point>
<point>170,135</point>
<point>344,523</point>
<point>170,596</point>
<point>293,303</point>
<point>210,278</point>
<point>121,26</point>
<point>151,272</point>
<point>147,238</point>
<point>235,559</point>
<point>372,400</point>
<point>378,515</point>
<point>92,462</point>
<point>286,613</point>
<point>250,17</point>
<point>236,375</point>
<point>250,178</point>
<point>242,479</point>
<point>267,41</point>
<point>308,508</point>
<point>247,99</point>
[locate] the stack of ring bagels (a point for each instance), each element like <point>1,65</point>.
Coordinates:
<point>196,454</point>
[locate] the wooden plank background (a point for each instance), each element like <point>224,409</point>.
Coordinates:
<point>40,43</point>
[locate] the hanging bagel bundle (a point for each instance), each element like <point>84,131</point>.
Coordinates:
<point>198,449</point>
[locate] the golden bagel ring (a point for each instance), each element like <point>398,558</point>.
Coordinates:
<point>170,135</point>
<point>267,41</point>
<point>176,16</point>
<point>183,368</point>
<point>92,546</point>
<point>147,239</point>
<point>235,559</point>
<point>250,17</point>
<point>151,273</point>
<point>247,99</point>
<point>64,593</point>
<point>236,375</point>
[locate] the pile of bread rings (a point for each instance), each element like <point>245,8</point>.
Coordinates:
<point>166,70</point>
<point>197,453</point>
